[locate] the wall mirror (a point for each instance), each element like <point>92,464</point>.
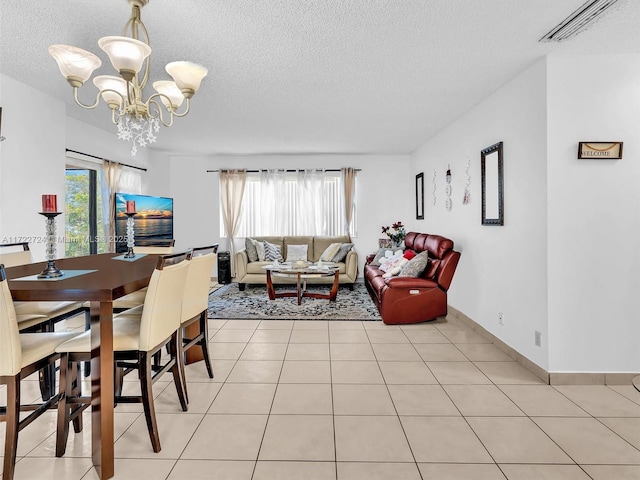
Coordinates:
<point>492,185</point>
<point>420,196</point>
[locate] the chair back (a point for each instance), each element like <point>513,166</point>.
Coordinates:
<point>196,287</point>
<point>12,254</point>
<point>162,308</point>
<point>10,349</point>
<point>165,249</point>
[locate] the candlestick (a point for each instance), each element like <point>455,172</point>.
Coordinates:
<point>131,239</point>
<point>49,203</point>
<point>131,206</point>
<point>51,271</point>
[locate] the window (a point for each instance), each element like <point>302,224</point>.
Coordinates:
<point>86,213</point>
<point>83,213</point>
<point>293,203</point>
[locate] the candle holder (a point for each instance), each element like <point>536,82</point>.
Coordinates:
<point>51,271</point>
<point>131,239</point>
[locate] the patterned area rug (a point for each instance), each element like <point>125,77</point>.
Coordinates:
<point>228,302</point>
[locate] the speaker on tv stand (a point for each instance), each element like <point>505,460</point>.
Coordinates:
<point>224,267</point>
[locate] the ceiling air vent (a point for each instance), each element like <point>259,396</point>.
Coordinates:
<point>578,20</point>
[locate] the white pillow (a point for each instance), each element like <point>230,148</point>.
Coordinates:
<point>260,250</point>
<point>395,270</point>
<point>297,252</point>
<point>330,252</point>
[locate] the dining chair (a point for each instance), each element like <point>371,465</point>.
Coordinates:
<point>138,334</point>
<point>40,316</point>
<point>136,298</point>
<point>195,304</point>
<point>21,354</point>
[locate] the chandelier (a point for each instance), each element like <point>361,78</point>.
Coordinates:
<point>137,120</point>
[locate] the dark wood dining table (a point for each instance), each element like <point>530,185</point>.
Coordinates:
<point>111,279</point>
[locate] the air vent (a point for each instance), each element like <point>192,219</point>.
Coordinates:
<point>578,20</point>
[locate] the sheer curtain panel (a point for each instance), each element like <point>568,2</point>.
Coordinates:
<point>349,184</point>
<point>232,183</point>
<point>111,172</point>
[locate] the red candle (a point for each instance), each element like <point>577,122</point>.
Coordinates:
<point>49,203</point>
<point>131,206</point>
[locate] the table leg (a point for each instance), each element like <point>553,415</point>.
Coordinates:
<point>334,288</point>
<point>102,404</point>
<point>270,290</point>
<point>299,292</point>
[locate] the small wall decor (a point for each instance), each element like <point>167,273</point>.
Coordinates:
<point>434,187</point>
<point>448,202</point>
<point>466,198</point>
<point>600,150</point>
<point>420,196</point>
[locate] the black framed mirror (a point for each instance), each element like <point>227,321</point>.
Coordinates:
<point>420,196</point>
<point>492,185</point>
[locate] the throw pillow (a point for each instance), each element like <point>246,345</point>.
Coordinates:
<point>297,252</point>
<point>330,252</point>
<point>250,247</point>
<point>409,254</point>
<point>387,264</point>
<point>397,268</point>
<point>272,252</point>
<point>260,250</point>
<point>381,254</point>
<point>341,254</point>
<point>416,266</point>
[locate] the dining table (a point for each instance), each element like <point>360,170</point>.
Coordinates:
<point>98,279</point>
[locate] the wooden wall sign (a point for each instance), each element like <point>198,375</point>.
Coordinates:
<point>600,150</point>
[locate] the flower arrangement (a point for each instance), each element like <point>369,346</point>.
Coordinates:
<point>396,233</point>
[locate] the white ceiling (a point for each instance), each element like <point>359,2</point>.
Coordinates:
<point>311,76</point>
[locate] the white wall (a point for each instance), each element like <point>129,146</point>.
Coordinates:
<point>502,268</point>
<point>32,163</point>
<point>594,215</point>
<point>385,190</point>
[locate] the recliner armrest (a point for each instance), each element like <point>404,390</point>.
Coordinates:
<point>410,282</point>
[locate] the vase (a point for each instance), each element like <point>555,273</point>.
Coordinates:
<point>397,244</point>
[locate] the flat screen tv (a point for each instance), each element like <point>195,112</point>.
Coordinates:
<point>152,224</point>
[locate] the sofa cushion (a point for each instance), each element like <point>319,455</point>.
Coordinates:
<point>321,243</point>
<point>341,254</point>
<point>395,268</point>
<point>330,252</point>
<point>416,266</point>
<point>260,251</point>
<point>382,253</point>
<point>297,252</point>
<point>272,252</point>
<point>250,247</point>
<point>298,240</point>
<point>432,269</point>
<point>377,284</point>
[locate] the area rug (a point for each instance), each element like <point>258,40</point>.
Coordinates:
<point>228,302</point>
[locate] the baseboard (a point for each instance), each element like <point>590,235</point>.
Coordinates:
<point>555,378</point>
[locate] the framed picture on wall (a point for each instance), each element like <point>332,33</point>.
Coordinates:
<point>420,196</point>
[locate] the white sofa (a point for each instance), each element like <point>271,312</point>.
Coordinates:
<point>252,272</point>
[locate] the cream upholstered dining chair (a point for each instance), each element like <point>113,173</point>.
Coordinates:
<point>21,354</point>
<point>195,302</point>
<point>136,298</point>
<point>40,316</point>
<point>138,334</point>
<point>13,254</point>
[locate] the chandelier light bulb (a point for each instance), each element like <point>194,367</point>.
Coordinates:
<point>187,76</point>
<point>108,86</point>
<point>75,64</point>
<point>171,90</point>
<point>126,54</point>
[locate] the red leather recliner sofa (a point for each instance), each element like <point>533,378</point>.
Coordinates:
<point>413,300</point>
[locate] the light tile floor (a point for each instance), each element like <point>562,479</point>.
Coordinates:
<point>322,400</point>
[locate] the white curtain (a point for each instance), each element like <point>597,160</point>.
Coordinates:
<point>349,185</point>
<point>232,184</point>
<point>109,183</point>
<point>311,202</point>
<point>273,219</point>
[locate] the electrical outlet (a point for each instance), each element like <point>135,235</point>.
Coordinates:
<point>538,339</point>
<point>501,318</point>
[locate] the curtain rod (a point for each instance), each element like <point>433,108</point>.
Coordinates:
<point>106,160</point>
<point>281,170</point>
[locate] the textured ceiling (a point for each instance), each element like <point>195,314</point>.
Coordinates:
<point>311,76</point>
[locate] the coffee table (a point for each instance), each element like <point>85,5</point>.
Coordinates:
<point>287,270</point>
